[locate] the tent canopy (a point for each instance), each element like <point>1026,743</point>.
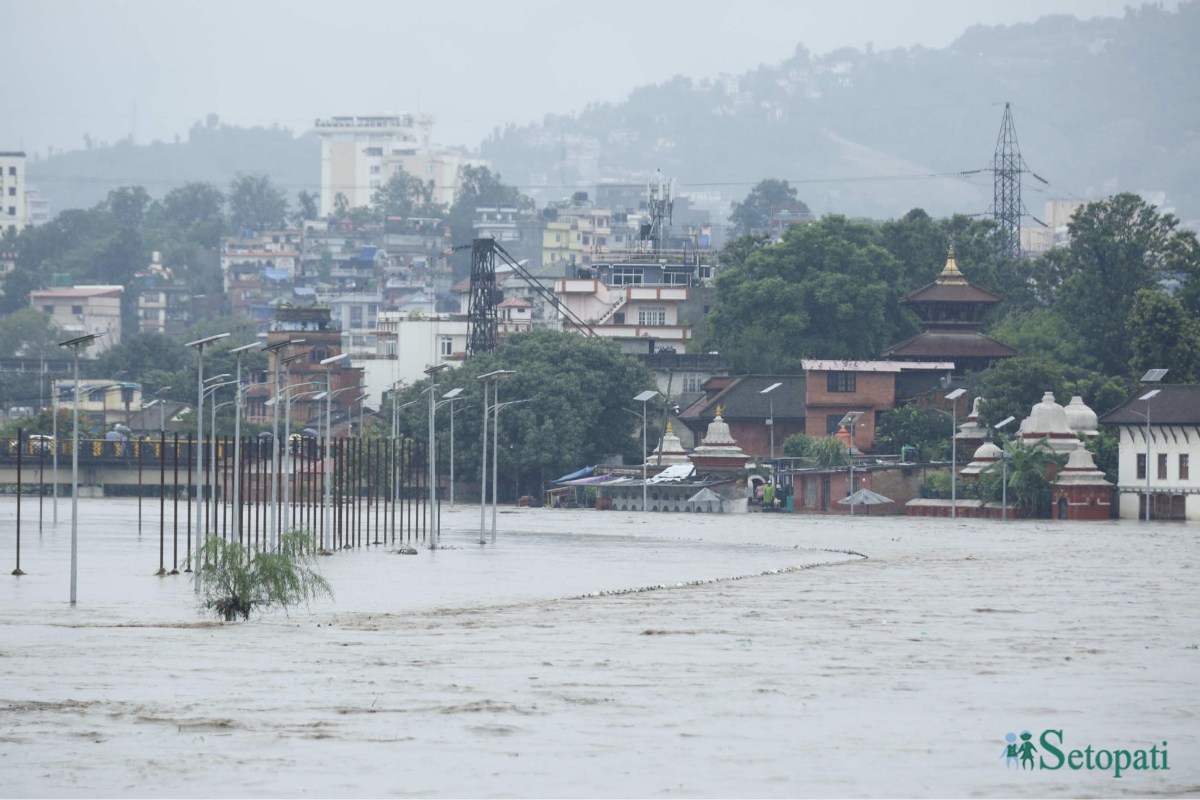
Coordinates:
<point>865,497</point>
<point>582,473</point>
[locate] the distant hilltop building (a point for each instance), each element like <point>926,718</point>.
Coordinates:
<point>360,153</point>
<point>13,213</point>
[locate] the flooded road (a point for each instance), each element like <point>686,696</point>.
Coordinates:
<point>593,654</point>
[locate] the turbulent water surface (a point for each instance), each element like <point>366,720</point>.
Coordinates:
<point>609,654</point>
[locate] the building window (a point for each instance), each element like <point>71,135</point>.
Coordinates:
<point>622,276</point>
<point>12,171</point>
<point>1141,466</point>
<point>12,191</point>
<point>447,346</point>
<point>12,211</point>
<point>48,309</point>
<point>691,383</point>
<point>831,423</point>
<point>652,315</point>
<point>1183,466</point>
<point>374,151</point>
<point>842,382</point>
<point>77,310</point>
<point>376,169</point>
<point>1162,466</point>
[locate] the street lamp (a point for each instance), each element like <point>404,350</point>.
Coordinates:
<point>1151,376</point>
<point>495,451</point>
<point>75,344</point>
<point>210,391</point>
<point>953,398</point>
<point>237,440</point>
<point>771,421</point>
<point>287,396</point>
<point>327,462</point>
<point>1004,456</point>
<point>450,397</point>
<point>643,398</point>
<point>162,408</point>
<point>432,372</point>
<point>494,378</point>
<point>273,522</point>
<point>200,344</point>
<point>848,422</point>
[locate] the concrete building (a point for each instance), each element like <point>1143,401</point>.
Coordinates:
<point>13,213</point>
<point>163,303</point>
<point>102,403</point>
<point>409,343</point>
<point>1160,466</point>
<point>836,388</point>
<point>360,153</point>
<point>80,310</point>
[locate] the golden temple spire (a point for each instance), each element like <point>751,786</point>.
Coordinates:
<point>950,273</point>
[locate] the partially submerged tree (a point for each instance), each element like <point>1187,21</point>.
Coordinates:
<point>238,581</point>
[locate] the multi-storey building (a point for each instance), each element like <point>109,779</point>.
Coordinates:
<point>360,153</point>
<point>163,303</point>
<point>13,213</point>
<point>82,310</point>
<point>102,403</point>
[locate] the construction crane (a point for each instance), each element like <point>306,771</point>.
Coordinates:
<point>486,295</point>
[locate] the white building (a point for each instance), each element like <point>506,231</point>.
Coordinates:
<point>360,153</point>
<point>81,310</point>
<point>14,215</point>
<point>410,343</point>
<point>1159,466</point>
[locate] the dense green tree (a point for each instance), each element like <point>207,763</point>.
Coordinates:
<point>128,205</point>
<point>764,199</point>
<point>1028,465</point>
<point>308,206</point>
<point>826,451</point>
<point>29,333</point>
<point>193,212</point>
<point>1044,332</point>
<point>580,407</point>
<point>926,429</point>
<point>828,290</point>
<point>478,187</point>
<point>1012,386</point>
<point>406,195</point>
<point>1118,246</point>
<point>255,204</point>
<point>1164,335</point>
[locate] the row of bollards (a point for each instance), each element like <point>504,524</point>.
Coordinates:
<point>349,492</point>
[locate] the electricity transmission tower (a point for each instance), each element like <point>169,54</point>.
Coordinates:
<point>1007,167</point>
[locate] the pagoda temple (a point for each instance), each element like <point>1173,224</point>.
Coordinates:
<point>951,311</point>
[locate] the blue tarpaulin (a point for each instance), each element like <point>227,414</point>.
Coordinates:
<point>583,473</point>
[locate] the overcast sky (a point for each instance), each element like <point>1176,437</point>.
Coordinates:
<point>156,66</point>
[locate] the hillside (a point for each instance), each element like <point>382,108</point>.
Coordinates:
<point>212,153</point>
<point>1100,106</point>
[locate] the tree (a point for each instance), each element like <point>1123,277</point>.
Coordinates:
<point>255,204</point>
<point>828,290</point>
<point>1028,467</point>
<point>477,187</point>
<point>128,205</point>
<point>580,407</point>
<point>405,195</point>
<point>1012,386</point>
<point>1118,246</point>
<point>1162,334</point>
<point>926,429</point>
<point>764,199</point>
<point>238,582</point>
<point>308,206</point>
<point>29,333</point>
<point>192,212</point>
<point>827,451</point>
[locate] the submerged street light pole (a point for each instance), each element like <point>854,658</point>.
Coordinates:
<point>75,344</point>
<point>493,378</point>
<point>1004,456</point>
<point>953,398</point>
<point>436,528</point>
<point>849,422</point>
<point>643,398</point>
<point>200,344</point>
<point>771,421</point>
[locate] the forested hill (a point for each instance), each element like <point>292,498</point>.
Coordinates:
<point>1100,106</point>
<point>211,153</point>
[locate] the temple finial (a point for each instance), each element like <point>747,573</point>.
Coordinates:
<point>950,272</point>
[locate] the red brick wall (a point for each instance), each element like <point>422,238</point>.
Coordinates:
<point>874,391</point>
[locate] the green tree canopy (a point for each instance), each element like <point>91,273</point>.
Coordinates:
<point>1163,334</point>
<point>764,199</point>
<point>828,290</point>
<point>1118,246</point>
<point>405,195</point>
<point>255,204</point>
<point>580,407</point>
<point>29,333</point>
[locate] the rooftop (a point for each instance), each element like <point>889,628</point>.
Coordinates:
<point>1175,404</point>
